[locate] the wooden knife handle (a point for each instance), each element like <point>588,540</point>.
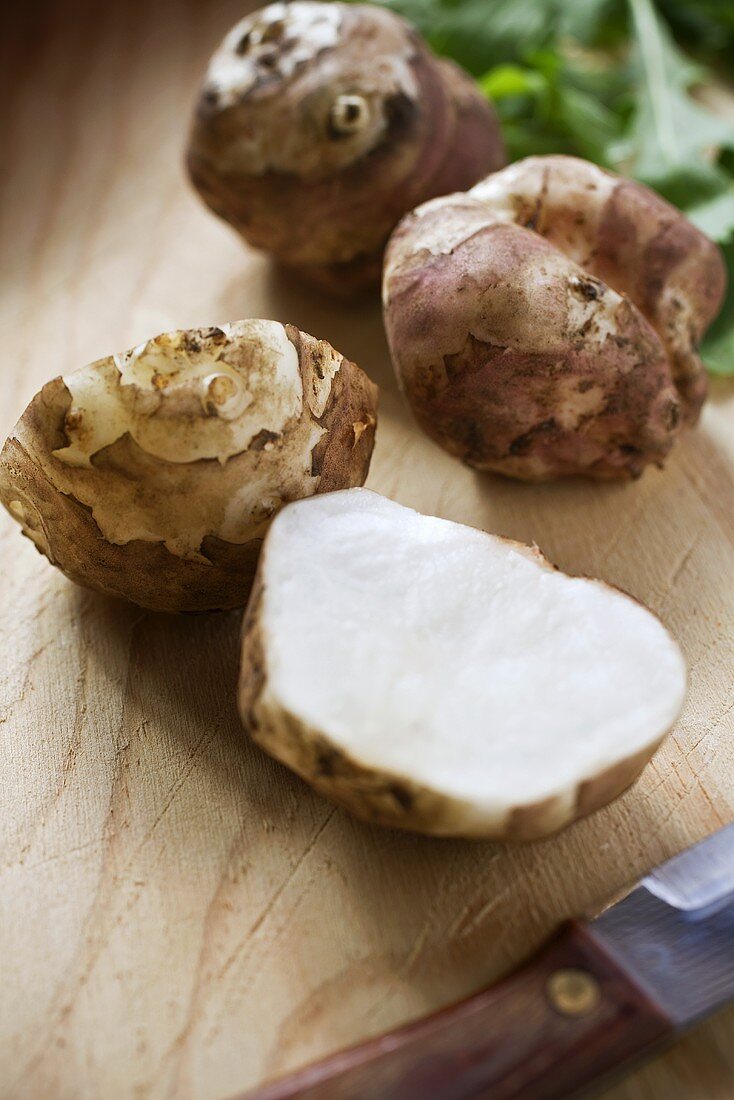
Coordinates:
<point>560,1023</point>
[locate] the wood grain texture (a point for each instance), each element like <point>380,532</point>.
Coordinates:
<point>180,916</point>
<point>512,1041</point>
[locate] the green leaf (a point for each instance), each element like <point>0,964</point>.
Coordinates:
<point>669,129</point>
<point>715,216</point>
<point>510,80</point>
<point>481,34</point>
<point>596,23</point>
<point>544,99</point>
<point>701,24</point>
<point>704,191</point>
<point>718,347</point>
<point>590,125</point>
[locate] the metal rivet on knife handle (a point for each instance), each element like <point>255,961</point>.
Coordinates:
<point>573,992</point>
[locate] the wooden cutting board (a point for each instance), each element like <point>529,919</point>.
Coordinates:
<point>180,916</point>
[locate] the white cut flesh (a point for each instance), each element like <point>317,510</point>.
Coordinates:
<point>456,663</point>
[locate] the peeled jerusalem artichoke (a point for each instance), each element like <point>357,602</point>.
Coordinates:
<point>320,124</point>
<point>153,475</point>
<point>546,322</point>
<point>433,677</point>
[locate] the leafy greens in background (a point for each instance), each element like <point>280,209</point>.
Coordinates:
<point>606,80</point>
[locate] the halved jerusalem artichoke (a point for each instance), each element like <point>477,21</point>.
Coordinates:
<point>153,475</point>
<point>430,676</point>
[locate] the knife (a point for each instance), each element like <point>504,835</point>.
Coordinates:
<point>600,995</point>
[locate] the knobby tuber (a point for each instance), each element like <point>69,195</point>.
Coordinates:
<point>153,475</point>
<point>546,322</point>
<point>319,125</point>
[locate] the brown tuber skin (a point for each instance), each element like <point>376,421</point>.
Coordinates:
<point>320,124</point>
<point>546,323</point>
<point>153,475</point>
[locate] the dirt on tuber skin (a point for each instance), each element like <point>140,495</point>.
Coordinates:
<point>153,475</point>
<point>319,125</point>
<point>546,323</point>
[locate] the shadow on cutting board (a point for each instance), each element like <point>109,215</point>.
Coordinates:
<point>439,913</point>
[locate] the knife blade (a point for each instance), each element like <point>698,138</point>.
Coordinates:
<point>675,930</point>
<point>600,996</point>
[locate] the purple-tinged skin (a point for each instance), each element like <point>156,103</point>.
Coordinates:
<point>547,322</point>
<point>274,151</point>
